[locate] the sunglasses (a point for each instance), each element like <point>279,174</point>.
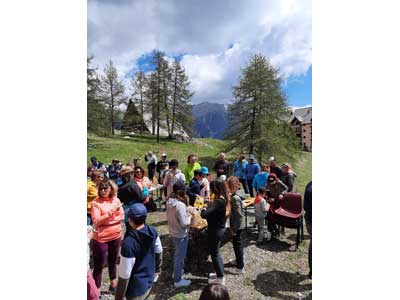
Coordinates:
<point>103,188</point>
<point>138,172</point>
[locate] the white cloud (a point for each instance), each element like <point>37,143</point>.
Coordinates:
<point>124,30</point>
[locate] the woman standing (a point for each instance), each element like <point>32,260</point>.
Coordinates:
<point>143,182</point>
<point>95,178</point>
<point>216,214</point>
<point>107,214</point>
<point>236,221</point>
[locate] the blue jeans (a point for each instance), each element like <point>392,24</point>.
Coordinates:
<point>181,245</point>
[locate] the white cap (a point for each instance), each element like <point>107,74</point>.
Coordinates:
<point>164,154</point>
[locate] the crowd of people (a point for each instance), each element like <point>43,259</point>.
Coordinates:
<point>119,193</point>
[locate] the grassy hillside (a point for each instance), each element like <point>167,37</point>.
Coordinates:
<point>207,149</point>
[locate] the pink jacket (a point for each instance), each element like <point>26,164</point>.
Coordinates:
<point>108,226</point>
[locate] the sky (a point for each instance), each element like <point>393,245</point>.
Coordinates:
<point>212,39</point>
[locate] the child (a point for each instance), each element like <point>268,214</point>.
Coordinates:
<point>92,292</point>
<point>178,223</point>
<point>214,292</point>
<point>261,208</point>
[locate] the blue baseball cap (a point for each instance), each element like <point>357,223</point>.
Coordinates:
<point>204,170</point>
<point>137,210</point>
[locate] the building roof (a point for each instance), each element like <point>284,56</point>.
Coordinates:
<point>303,114</point>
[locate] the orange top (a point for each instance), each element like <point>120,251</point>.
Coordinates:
<point>106,219</point>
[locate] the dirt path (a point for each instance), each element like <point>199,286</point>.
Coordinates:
<point>273,271</point>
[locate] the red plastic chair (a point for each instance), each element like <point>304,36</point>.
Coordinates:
<point>290,215</point>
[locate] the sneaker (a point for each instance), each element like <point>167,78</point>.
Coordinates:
<point>156,276</point>
<point>212,275</point>
<point>182,283</point>
<point>238,271</point>
<point>217,280</point>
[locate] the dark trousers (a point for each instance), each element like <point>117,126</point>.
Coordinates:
<point>214,239</point>
<point>308,225</point>
<point>250,187</point>
<point>237,241</point>
<point>243,181</point>
<point>100,252</point>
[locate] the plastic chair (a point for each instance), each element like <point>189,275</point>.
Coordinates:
<point>290,215</point>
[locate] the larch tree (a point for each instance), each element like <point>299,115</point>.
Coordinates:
<point>256,118</point>
<point>96,113</point>
<point>180,100</point>
<point>112,92</point>
<point>138,87</point>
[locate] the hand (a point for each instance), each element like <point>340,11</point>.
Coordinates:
<point>280,197</point>
<point>271,200</point>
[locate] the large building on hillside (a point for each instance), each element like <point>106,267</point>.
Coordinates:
<point>301,121</point>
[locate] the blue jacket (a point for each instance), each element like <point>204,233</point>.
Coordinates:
<point>193,190</point>
<point>260,180</point>
<point>140,245</point>
<point>252,169</point>
<point>239,169</point>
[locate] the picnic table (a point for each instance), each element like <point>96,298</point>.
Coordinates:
<point>158,189</point>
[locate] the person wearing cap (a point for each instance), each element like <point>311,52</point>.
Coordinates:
<point>195,186</point>
<point>151,160</point>
<point>192,165</point>
<point>260,180</point>
<point>172,176</point>
<point>179,219</point>
<point>107,214</point>
<point>160,164</point>
<point>113,169</point>
<point>252,169</point>
<point>205,184</point>
<point>274,168</point>
<point>129,192</point>
<point>141,257</point>
<point>239,170</point>
<point>288,176</point>
<point>95,163</point>
<point>221,166</point>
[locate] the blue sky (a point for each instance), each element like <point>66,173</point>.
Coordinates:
<point>212,49</point>
<point>298,89</point>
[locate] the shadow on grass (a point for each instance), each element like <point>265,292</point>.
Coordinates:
<point>276,284</point>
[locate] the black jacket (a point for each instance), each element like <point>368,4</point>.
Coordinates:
<point>130,193</point>
<point>288,179</point>
<point>221,167</point>
<point>215,214</point>
<point>277,171</point>
<point>307,202</point>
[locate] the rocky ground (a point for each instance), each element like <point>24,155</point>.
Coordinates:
<point>274,270</point>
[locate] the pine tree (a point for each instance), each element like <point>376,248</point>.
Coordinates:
<point>256,118</point>
<point>112,92</point>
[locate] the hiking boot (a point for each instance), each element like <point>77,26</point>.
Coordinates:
<point>218,280</point>
<point>182,283</point>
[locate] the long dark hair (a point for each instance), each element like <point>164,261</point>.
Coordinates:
<point>219,189</point>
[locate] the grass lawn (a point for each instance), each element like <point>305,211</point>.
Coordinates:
<point>206,149</point>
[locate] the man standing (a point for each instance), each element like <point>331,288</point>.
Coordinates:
<point>221,166</point>
<point>274,168</point>
<point>192,165</point>
<point>307,217</point>
<point>252,169</point>
<point>113,169</point>
<point>160,165</point>
<point>151,160</point>
<point>239,170</point>
<point>141,257</point>
<point>172,176</point>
